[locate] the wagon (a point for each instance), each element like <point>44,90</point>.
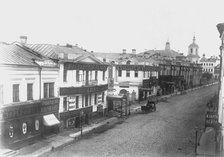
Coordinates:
<point>149,107</point>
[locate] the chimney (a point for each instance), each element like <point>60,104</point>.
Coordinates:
<point>124,51</point>
<point>133,51</point>
<point>23,39</point>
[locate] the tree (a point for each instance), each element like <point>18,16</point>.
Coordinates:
<point>207,75</point>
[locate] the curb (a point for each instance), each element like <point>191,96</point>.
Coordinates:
<point>71,138</point>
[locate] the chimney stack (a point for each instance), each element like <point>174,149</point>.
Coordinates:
<point>134,51</point>
<point>23,39</point>
<point>124,51</point>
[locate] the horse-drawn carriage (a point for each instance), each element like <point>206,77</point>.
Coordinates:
<point>151,105</point>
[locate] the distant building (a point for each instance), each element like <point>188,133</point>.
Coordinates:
<point>193,52</point>
<point>209,64</point>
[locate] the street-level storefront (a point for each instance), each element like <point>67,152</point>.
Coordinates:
<point>86,99</point>
<point>72,119</point>
<point>118,103</point>
<point>26,120</point>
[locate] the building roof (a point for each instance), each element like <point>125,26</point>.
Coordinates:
<point>12,54</point>
<point>203,59</point>
<point>193,56</point>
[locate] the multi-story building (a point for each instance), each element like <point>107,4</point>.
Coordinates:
<point>28,97</point>
<point>209,64</point>
<point>83,82</point>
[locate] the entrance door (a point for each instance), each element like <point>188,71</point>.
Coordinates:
<point>110,105</point>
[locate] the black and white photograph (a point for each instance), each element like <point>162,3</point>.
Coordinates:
<point>111,78</point>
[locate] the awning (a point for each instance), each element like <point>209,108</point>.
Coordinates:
<point>50,120</point>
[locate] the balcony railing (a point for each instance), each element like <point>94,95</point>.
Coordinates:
<point>90,82</point>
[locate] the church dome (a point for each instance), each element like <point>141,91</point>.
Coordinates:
<point>193,44</point>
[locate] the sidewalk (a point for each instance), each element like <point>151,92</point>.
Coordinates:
<point>207,143</point>
<point>60,140</point>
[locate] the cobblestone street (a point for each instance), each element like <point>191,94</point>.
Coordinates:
<point>167,132</point>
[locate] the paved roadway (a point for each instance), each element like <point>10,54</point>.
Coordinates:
<point>167,132</point>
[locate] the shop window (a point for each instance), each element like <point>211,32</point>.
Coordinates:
<point>15,93</point>
<point>127,73</point>
<point>65,104</point>
<point>1,94</point>
<point>119,73</point>
<point>37,125</point>
<point>29,91</point>
<point>136,73</point>
<point>48,90</point>
<point>77,102</point>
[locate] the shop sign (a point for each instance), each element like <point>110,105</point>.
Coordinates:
<point>50,101</point>
<point>46,63</point>
<point>137,67</point>
<point>211,119</point>
<point>24,128</point>
<point>71,122</point>
<point>82,90</point>
<point>37,125</point>
<point>80,66</point>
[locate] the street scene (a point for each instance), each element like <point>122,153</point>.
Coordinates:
<point>111,78</point>
<point>167,132</point>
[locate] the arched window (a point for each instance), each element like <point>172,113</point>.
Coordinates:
<point>128,62</point>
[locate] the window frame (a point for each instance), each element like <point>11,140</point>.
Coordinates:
<point>15,96</point>
<point>29,93</point>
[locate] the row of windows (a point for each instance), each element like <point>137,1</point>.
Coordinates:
<point>135,73</point>
<point>82,75</point>
<point>86,100</point>
<point>208,70</point>
<point>208,64</point>
<point>48,91</point>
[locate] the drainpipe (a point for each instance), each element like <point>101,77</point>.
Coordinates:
<point>39,70</point>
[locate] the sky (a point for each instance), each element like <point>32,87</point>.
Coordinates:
<point>113,25</point>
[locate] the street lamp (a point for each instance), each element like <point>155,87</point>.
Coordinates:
<point>81,115</point>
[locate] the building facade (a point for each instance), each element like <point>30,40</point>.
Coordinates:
<point>28,95</point>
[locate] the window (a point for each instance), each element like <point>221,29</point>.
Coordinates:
<point>65,75</point>
<point>119,73</point>
<point>95,99</point>
<point>15,93</point>
<point>65,104</point>
<point>96,75</point>
<point>90,75</point>
<point>1,94</point>
<point>83,100</point>
<point>103,75</point>
<point>144,74</point>
<point>29,91</point>
<point>90,96</point>
<point>136,73</point>
<point>48,90</point>
<point>77,102</point>
<point>127,73</point>
<point>148,74</point>
<point>102,96</point>
<point>191,50</point>
<point>77,76</point>
<point>86,100</point>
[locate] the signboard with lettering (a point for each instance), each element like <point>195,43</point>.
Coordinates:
<point>211,119</point>
<point>137,67</point>
<point>82,90</point>
<point>82,66</point>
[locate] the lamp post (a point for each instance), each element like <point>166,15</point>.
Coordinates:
<point>81,115</point>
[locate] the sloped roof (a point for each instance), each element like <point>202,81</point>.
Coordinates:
<point>193,56</point>
<point>163,53</point>
<point>203,59</point>
<point>52,51</point>
<point>12,54</point>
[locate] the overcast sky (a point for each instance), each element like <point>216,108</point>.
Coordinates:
<point>113,25</point>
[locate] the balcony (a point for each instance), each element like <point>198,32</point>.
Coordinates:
<point>90,83</point>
